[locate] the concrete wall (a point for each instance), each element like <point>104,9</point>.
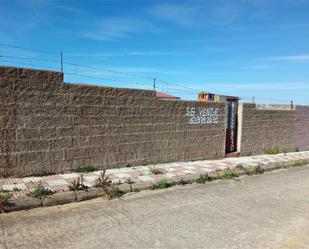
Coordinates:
<point>301,128</point>
<point>264,129</point>
<point>50,126</point>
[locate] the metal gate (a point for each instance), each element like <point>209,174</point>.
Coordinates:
<point>231,126</point>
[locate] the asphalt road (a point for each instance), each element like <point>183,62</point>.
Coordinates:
<point>266,211</point>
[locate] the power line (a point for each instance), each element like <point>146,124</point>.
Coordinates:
<point>179,85</point>
<point>75,74</point>
<point>85,66</point>
<point>29,64</point>
<point>29,49</point>
<point>188,91</point>
<point>107,70</point>
<point>175,90</point>
<point>107,79</point>
<point>28,58</point>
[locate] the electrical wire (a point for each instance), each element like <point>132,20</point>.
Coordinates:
<point>179,90</point>
<point>108,70</point>
<point>102,78</point>
<point>29,49</point>
<point>28,58</point>
<point>30,64</point>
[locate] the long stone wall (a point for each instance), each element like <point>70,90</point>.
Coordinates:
<point>50,126</point>
<point>264,129</point>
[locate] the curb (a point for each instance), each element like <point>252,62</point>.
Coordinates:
<point>66,197</point>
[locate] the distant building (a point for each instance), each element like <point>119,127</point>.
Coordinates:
<point>211,97</point>
<point>165,96</point>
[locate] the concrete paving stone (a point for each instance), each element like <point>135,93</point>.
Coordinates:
<point>69,176</point>
<point>207,170</point>
<point>59,188</point>
<point>188,172</point>
<point>171,170</point>
<point>145,178</point>
<point>52,177</point>
<point>98,173</point>
<point>90,178</point>
<point>11,187</point>
<point>170,175</point>
<point>135,173</point>
<point>88,183</point>
<point>32,179</point>
<point>122,175</point>
<point>189,167</point>
<point>158,177</point>
<point>117,181</point>
<point>143,173</point>
<point>60,182</point>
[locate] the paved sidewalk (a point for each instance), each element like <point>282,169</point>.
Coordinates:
<point>20,187</point>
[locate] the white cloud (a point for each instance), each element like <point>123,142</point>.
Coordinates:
<point>257,67</point>
<point>183,15</point>
<point>299,58</point>
<point>264,86</point>
<point>227,12</point>
<point>125,53</point>
<point>121,27</point>
<point>70,8</point>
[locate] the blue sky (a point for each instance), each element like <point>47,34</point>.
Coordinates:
<point>246,48</point>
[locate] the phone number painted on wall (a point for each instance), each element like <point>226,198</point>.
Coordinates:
<point>202,115</point>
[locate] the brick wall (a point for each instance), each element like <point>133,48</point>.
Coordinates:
<point>264,129</point>
<point>50,126</point>
<point>301,129</point>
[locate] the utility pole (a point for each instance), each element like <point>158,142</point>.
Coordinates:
<point>253,99</point>
<point>154,84</point>
<point>61,55</point>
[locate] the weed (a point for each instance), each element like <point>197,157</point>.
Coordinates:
<point>15,189</point>
<point>299,163</point>
<point>41,174</point>
<point>40,192</point>
<point>183,182</point>
<point>114,192</point>
<point>162,184</point>
<point>4,198</point>
<point>86,169</point>
<point>257,170</point>
<point>272,151</point>
<point>78,184</point>
<point>203,179</point>
<point>297,149</point>
<point>227,174</point>
<point>240,167</point>
<point>156,171</point>
<point>130,182</point>
<point>136,190</point>
<point>103,181</point>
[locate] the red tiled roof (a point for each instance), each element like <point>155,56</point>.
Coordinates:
<point>165,96</point>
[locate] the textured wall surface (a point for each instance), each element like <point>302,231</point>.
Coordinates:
<point>264,129</point>
<point>49,126</point>
<point>301,129</point>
